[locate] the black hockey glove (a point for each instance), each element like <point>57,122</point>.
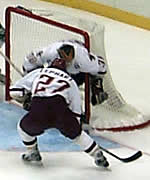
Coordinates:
<point>27,102</point>
<point>98,95</point>
<point>79,78</point>
<point>83,119</point>
<point>2,35</point>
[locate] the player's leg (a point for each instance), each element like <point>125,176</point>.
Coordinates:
<point>72,129</point>
<point>30,142</point>
<point>44,113</point>
<point>32,125</point>
<point>91,147</point>
<point>98,95</point>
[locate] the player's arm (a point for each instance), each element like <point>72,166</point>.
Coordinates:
<point>22,87</point>
<point>98,94</point>
<point>97,85</point>
<point>34,60</point>
<point>74,98</point>
<point>92,64</point>
<point>96,67</point>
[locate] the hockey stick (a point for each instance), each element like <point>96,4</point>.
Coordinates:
<point>135,156</point>
<point>42,11</point>
<point>12,64</point>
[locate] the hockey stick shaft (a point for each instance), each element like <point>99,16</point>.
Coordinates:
<point>43,12</point>
<point>12,64</point>
<point>125,160</point>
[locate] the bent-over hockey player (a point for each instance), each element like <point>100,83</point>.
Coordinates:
<point>56,104</point>
<point>79,62</point>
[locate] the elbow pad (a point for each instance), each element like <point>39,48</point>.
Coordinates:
<point>17,94</point>
<point>31,58</point>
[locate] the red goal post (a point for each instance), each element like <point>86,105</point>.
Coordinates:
<point>67,31</point>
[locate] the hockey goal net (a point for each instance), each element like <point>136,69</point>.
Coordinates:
<point>26,30</point>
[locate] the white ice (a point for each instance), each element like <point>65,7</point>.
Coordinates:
<point>127,49</point>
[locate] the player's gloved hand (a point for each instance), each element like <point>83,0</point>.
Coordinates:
<point>27,102</point>
<point>2,35</point>
<point>79,78</point>
<point>98,99</point>
<point>83,119</point>
<point>98,95</point>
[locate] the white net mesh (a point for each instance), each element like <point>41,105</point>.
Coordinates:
<point>29,34</point>
<point>114,113</point>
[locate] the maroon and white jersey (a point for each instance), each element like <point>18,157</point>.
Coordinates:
<point>83,61</point>
<point>48,82</point>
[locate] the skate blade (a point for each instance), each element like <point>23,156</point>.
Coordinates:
<point>101,168</point>
<point>33,163</point>
<point>106,168</point>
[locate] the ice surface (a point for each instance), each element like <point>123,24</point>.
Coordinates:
<point>127,47</point>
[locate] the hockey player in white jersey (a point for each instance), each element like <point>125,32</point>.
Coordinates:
<point>79,62</point>
<point>73,51</point>
<point>55,103</point>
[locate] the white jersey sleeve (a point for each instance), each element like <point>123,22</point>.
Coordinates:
<point>41,57</point>
<point>86,62</point>
<point>23,86</point>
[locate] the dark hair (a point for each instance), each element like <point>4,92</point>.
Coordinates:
<point>67,49</point>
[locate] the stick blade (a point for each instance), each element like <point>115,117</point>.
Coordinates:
<point>133,157</point>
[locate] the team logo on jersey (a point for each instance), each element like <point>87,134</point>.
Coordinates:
<point>33,60</point>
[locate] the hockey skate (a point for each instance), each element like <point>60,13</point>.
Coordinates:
<point>100,159</point>
<point>32,156</point>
